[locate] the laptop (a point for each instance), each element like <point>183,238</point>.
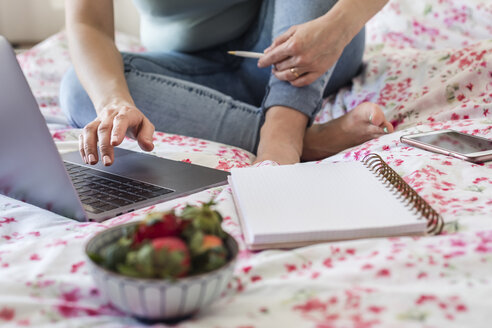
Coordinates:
<point>32,170</point>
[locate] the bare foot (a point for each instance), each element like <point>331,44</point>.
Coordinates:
<point>363,123</point>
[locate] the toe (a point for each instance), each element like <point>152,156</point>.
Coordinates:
<point>374,112</point>
<point>373,132</point>
<point>387,127</point>
<point>377,118</point>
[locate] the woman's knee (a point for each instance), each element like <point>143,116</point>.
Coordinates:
<point>74,101</point>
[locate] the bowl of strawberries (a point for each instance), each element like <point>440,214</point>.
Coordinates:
<point>165,267</point>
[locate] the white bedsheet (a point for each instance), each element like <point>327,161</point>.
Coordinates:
<point>429,64</point>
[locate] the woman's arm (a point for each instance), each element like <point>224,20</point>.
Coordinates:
<point>306,51</point>
<point>99,66</point>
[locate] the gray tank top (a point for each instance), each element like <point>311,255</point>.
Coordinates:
<point>190,25</point>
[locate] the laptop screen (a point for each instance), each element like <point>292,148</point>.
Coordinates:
<point>31,169</point>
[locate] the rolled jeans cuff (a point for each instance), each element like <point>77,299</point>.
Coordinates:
<point>307,99</point>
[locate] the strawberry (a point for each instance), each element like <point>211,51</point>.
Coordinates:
<point>169,243</point>
<point>156,225</point>
<point>171,253</point>
<point>210,241</point>
<point>208,252</point>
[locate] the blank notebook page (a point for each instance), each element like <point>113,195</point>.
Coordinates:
<point>313,202</point>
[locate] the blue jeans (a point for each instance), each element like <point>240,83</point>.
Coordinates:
<point>212,95</point>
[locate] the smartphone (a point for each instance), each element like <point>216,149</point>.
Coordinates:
<point>453,143</point>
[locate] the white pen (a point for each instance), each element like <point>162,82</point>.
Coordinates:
<point>247,54</point>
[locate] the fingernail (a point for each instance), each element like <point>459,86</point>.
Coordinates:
<point>385,129</point>
<point>106,160</point>
<point>92,158</point>
<point>370,118</point>
<point>114,138</point>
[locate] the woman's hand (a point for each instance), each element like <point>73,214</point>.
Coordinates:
<point>306,51</point>
<point>113,122</point>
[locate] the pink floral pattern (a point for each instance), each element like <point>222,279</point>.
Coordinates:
<point>429,65</point>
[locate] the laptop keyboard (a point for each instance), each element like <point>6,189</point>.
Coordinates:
<point>100,191</point>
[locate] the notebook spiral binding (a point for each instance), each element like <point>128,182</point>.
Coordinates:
<point>377,165</point>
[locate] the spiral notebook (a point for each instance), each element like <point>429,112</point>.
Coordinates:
<point>296,205</point>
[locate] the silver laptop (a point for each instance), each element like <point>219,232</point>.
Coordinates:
<point>32,170</point>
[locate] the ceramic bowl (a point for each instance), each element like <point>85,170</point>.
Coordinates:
<point>158,299</point>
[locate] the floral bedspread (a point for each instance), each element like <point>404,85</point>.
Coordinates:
<point>429,64</point>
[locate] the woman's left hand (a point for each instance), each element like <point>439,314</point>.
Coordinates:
<point>306,51</point>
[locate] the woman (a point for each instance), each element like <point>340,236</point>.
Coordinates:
<point>189,85</point>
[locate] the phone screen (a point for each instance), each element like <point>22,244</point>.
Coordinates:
<point>456,142</point>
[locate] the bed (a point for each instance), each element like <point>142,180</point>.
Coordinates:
<point>429,64</point>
